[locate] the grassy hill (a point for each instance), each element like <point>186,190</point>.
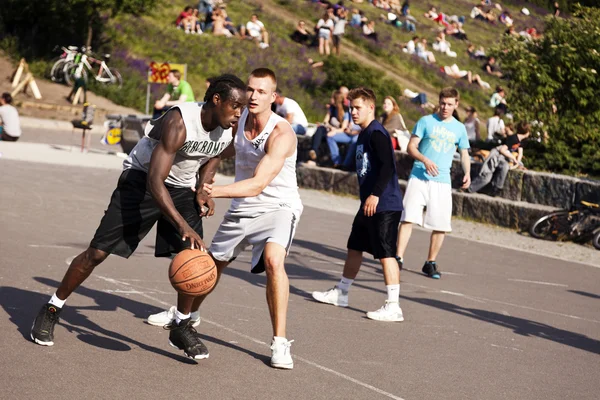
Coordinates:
<point>135,41</point>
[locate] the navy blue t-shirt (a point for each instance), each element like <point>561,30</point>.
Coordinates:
<point>376,168</point>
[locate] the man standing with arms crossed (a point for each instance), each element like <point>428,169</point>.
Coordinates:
<point>432,145</point>
<point>266,205</point>
<point>157,187</point>
<point>375,227</point>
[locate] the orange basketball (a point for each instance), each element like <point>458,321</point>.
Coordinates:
<point>193,272</point>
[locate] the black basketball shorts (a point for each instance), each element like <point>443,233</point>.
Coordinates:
<point>376,235</point>
<point>132,212</point>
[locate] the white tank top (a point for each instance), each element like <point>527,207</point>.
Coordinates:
<point>200,146</point>
<point>282,192</point>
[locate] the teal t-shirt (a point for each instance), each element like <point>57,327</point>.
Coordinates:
<point>183,88</point>
<point>438,143</point>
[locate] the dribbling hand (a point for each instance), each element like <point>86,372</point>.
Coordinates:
<point>196,242</point>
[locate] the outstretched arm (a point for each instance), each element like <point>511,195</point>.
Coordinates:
<point>280,145</point>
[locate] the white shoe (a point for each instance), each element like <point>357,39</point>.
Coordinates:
<point>263,45</point>
<point>390,312</point>
<point>281,357</point>
<point>335,296</point>
<point>166,317</point>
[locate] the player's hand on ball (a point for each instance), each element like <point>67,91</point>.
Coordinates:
<point>187,233</point>
<point>371,205</point>
<point>207,205</point>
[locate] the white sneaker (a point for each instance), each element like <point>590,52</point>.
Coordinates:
<point>335,296</point>
<point>263,45</point>
<point>281,357</point>
<point>390,312</point>
<point>166,317</point>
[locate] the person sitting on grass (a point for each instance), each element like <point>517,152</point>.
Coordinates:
<point>301,35</point>
<point>255,30</point>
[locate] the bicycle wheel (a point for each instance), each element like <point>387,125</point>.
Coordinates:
<point>554,226</point>
<point>117,79</point>
<point>56,72</point>
<point>596,239</point>
<point>70,72</point>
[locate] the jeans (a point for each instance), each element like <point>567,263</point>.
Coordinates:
<point>299,129</point>
<point>317,138</point>
<point>332,142</point>
<point>420,99</point>
<point>494,170</point>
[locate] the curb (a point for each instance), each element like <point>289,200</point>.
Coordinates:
<point>57,125</point>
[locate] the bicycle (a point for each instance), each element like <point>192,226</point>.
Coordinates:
<point>57,71</point>
<point>79,67</point>
<point>579,224</point>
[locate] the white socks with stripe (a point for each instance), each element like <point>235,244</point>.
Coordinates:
<point>393,292</point>
<point>344,284</point>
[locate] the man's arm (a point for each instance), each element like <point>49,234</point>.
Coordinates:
<point>206,174</point>
<point>504,151</point>
<point>181,100</point>
<point>520,154</point>
<point>171,139</point>
<point>465,162</point>
<point>279,146</point>
<point>413,151</point>
<point>162,103</point>
<point>289,117</point>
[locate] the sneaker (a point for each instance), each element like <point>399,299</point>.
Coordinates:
<point>430,269</point>
<point>390,312</point>
<point>335,296</point>
<point>263,45</point>
<point>281,357</point>
<point>184,337</point>
<point>400,262</point>
<point>168,316</point>
<point>42,331</point>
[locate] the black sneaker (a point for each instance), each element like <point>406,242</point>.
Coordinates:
<point>42,331</point>
<point>184,337</point>
<point>430,269</point>
<point>400,262</point>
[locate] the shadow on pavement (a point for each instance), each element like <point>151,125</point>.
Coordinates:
<point>330,251</point>
<point>586,294</point>
<point>519,326</point>
<point>261,357</point>
<point>22,306</point>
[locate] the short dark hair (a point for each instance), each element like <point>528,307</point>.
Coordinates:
<point>362,93</point>
<point>188,8</point>
<point>523,127</point>
<point>7,97</point>
<point>176,73</point>
<point>499,111</point>
<point>264,73</point>
<point>449,93</point>
<point>224,85</point>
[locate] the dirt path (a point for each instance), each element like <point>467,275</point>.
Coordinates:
<point>54,104</point>
<point>350,49</point>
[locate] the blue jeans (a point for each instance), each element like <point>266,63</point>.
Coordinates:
<point>299,129</point>
<point>332,142</point>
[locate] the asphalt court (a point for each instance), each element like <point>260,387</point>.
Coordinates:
<point>500,324</point>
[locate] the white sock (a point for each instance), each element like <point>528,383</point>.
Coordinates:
<point>55,301</point>
<point>279,339</point>
<point>180,316</point>
<point>195,315</point>
<point>393,292</point>
<point>345,284</point>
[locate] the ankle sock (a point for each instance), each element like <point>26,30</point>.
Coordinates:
<point>393,293</point>
<point>55,301</point>
<point>195,315</point>
<point>180,317</point>
<point>345,283</point>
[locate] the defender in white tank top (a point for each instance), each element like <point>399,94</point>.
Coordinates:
<point>199,147</point>
<point>282,191</point>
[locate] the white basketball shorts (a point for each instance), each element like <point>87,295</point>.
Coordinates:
<point>436,196</point>
<point>237,232</point>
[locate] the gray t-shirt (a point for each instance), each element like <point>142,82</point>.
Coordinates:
<point>10,120</point>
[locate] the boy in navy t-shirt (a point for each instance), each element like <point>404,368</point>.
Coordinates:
<point>375,227</point>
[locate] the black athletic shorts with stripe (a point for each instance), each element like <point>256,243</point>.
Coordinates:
<point>376,235</point>
<point>132,212</point>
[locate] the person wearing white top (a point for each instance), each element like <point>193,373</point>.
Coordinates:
<point>10,125</point>
<point>495,126</point>
<point>325,27</point>
<point>292,112</point>
<point>256,31</point>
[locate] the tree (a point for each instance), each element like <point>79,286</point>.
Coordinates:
<point>41,25</point>
<point>554,80</point>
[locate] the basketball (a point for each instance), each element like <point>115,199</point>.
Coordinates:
<point>193,272</point>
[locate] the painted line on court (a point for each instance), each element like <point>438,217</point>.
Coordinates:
<point>260,342</point>
<point>51,246</point>
<point>539,282</point>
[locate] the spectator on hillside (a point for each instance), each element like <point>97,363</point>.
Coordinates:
<point>491,68</point>
<point>314,63</point>
<point>498,99</point>
<point>472,124</point>
<point>455,72</point>
<point>336,121</point>
<point>255,30</point>
<point>339,29</point>
<point>411,45</point>
<point>369,30</point>
<point>443,46</point>
<point>218,24</point>
<point>292,112</point>
<point>556,9</point>
<point>506,19</point>
<point>301,35</point>
<point>324,29</point>
<point>496,165</point>
<point>10,124</point>
<point>418,98</point>
<point>476,54</point>
<point>405,8</point>
<point>392,121</point>
<point>229,25</point>
<point>431,14</point>
<point>496,131</point>
<point>423,53</point>
<point>511,32</point>
<point>356,18</point>
<point>178,92</point>
<point>184,20</point>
